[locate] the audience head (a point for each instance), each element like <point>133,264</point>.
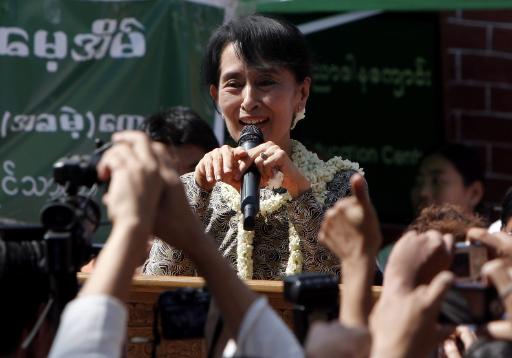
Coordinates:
<point>447,219</point>
<point>185,132</point>
<point>451,174</point>
<point>506,212</point>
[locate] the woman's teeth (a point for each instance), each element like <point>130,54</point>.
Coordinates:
<point>253,121</point>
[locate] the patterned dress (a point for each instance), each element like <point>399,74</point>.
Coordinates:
<point>270,253</point>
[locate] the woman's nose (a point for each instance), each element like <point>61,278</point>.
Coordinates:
<point>250,99</point>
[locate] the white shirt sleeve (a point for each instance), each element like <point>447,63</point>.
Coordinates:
<point>264,334</point>
<point>91,326</point>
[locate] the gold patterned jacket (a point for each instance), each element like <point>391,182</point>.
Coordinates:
<point>270,244</point>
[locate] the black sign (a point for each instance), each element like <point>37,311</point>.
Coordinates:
<point>376,99</point>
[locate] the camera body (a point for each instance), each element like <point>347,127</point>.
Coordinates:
<point>183,313</point>
<point>470,300</point>
<point>315,296</point>
<point>467,261</point>
<point>471,303</point>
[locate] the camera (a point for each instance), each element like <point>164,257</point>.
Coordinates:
<point>470,300</point>
<point>315,296</point>
<point>471,303</point>
<point>467,261</point>
<point>38,263</point>
<point>183,313</point>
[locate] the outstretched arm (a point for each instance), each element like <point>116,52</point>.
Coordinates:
<point>95,322</point>
<point>351,231</point>
<point>234,299</point>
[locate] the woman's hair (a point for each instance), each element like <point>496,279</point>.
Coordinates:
<point>179,126</point>
<point>465,159</point>
<point>447,219</point>
<point>260,41</point>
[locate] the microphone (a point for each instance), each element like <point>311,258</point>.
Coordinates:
<point>250,137</point>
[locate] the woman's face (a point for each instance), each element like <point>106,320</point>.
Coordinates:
<point>438,182</point>
<point>267,98</point>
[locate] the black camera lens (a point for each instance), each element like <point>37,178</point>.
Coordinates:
<point>58,216</point>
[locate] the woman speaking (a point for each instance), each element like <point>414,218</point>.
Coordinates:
<point>258,71</point>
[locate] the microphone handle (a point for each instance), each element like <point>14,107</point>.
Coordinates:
<point>250,192</point>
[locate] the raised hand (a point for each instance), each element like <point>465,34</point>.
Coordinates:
<point>417,258</point>
<point>351,228</point>
<point>414,285</point>
<point>175,222</point>
<point>498,242</point>
<point>499,272</point>
<point>135,183</point>
<point>404,323</point>
<point>351,231</point>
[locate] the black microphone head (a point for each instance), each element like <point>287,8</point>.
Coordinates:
<point>250,133</point>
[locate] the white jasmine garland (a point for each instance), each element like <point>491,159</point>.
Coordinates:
<point>318,172</point>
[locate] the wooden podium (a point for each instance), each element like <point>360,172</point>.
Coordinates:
<point>144,293</point>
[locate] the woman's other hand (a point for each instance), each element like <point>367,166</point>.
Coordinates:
<point>221,164</point>
<point>269,158</point>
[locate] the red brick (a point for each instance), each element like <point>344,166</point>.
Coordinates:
<point>489,15</point>
<point>501,100</point>
<point>502,161</point>
<point>495,189</point>
<point>502,39</point>
<point>458,36</point>
<point>486,68</point>
<point>465,97</point>
<point>486,129</point>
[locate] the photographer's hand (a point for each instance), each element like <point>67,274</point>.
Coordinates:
<point>406,305</point>
<point>499,272</point>
<point>351,231</point>
<point>498,242</point>
<point>332,339</point>
<point>135,187</point>
<point>417,258</point>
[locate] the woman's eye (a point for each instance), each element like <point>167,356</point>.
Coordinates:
<point>233,84</point>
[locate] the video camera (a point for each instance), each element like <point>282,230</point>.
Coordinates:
<point>38,263</point>
<point>315,296</point>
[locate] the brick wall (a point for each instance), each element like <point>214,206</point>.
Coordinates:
<point>477,55</point>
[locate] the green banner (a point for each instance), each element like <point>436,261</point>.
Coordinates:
<point>73,71</point>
